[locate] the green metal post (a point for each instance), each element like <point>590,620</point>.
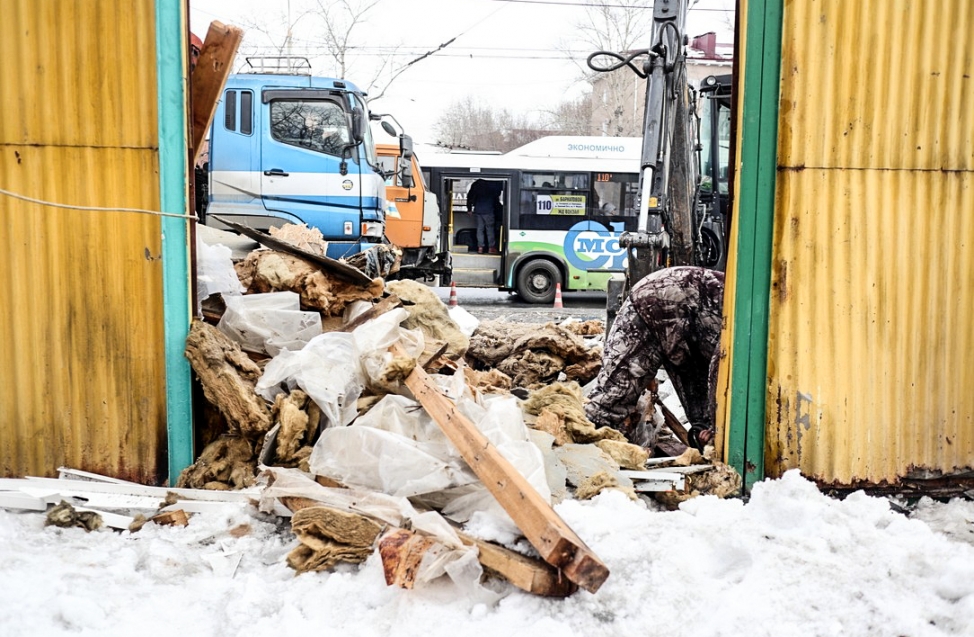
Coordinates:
<point>173,176</point>
<point>759,154</point>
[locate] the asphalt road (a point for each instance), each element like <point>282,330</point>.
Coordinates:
<point>489,304</point>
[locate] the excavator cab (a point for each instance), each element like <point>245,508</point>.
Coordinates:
<point>713,157</point>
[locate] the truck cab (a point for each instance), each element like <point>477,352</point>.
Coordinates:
<point>413,219</point>
<point>287,147</point>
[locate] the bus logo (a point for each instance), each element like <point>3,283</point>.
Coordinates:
<point>589,245</point>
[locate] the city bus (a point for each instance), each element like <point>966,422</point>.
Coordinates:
<point>565,202</point>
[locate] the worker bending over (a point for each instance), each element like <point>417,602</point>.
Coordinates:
<point>672,318</point>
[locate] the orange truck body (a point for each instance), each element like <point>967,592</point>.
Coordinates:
<point>413,219</point>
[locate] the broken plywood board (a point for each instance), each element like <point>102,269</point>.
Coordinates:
<point>402,552</point>
<point>554,540</point>
<point>209,77</point>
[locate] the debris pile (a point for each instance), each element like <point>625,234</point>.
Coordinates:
<point>392,428</point>
<point>532,355</point>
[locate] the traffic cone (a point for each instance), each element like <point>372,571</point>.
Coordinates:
<point>558,304</point>
<point>453,294</point>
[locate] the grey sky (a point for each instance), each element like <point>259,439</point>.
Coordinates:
<point>506,53</point>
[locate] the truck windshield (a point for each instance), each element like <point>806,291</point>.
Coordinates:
<point>321,126</point>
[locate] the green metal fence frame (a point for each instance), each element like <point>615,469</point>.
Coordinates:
<point>173,179</point>
<point>755,212</point>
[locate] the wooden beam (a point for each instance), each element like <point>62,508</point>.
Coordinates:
<point>528,574</point>
<point>210,76</point>
<point>554,540</point>
<point>673,423</point>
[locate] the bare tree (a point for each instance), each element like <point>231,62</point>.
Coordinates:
<point>471,124</point>
<point>337,20</point>
<point>617,97</point>
<point>613,25</point>
<point>571,117</point>
<point>337,29</point>
<point>273,30</point>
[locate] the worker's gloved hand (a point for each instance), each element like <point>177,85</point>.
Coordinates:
<point>700,436</point>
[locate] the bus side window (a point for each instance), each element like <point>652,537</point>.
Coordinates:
<point>615,195</point>
<point>553,200</point>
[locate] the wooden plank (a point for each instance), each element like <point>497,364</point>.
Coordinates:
<point>673,423</point>
<point>650,474</point>
<point>195,506</point>
<point>113,520</point>
<point>67,473</point>
<point>656,487</point>
<point>210,76</point>
<point>531,575</point>
<point>97,500</point>
<point>554,540</point>
<point>387,304</point>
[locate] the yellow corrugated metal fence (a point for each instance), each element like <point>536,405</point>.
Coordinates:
<point>871,343</point>
<point>83,361</point>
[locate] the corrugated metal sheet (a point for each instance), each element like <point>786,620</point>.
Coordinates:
<point>872,301</point>
<point>83,361</point>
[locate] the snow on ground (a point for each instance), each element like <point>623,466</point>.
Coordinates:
<point>790,561</point>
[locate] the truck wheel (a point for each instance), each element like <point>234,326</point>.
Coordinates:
<point>536,281</point>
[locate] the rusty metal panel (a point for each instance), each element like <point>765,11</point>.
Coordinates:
<point>83,357</point>
<point>871,332</point>
<point>877,84</point>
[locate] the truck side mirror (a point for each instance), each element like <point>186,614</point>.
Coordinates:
<point>358,125</point>
<point>405,146</point>
<point>387,127</point>
<point>405,174</point>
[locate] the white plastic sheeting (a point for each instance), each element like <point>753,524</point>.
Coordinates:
<point>214,272</point>
<point>327,369</point>
<point>448,557</point>
<point>334,367</point>
<point>269,323</point>
<point>397,448</point>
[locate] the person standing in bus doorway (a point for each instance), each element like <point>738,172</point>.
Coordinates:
<point>484,202</point>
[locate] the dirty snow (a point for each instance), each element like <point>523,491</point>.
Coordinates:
<point>790,561</point>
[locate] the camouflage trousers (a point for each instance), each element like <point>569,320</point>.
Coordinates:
<point>671,319</point>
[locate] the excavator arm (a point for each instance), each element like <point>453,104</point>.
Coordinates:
<point>668,173</point>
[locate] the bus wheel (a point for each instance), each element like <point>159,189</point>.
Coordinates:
<point>536,281</point>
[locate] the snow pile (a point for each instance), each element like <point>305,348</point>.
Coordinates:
<point>790,561</point>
